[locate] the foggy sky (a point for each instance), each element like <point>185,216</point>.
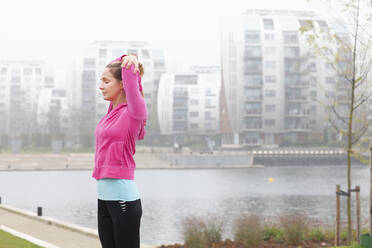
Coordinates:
<point>189,30</point>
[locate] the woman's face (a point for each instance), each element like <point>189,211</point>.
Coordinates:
<point>110,87</point>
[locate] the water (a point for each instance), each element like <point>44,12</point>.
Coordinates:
<point>168,196</point>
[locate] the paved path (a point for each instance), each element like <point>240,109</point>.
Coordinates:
<point>71,161</point>
<point>61,234</point>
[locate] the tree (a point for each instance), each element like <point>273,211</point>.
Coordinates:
<point>345,48</point>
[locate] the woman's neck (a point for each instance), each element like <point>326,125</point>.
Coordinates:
<point>119,100</point>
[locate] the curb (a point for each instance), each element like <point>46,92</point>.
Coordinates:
<point>27,237</point>
<point>50,221</point>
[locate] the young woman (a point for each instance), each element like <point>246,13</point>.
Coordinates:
<point>119,204</point>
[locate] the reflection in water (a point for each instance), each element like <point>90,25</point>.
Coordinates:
<point>170,195</point>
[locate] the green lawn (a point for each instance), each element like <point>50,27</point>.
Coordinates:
<point>7,240</point>
<point>353,246</point>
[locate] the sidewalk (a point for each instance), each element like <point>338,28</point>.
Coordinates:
<point>58,233</point>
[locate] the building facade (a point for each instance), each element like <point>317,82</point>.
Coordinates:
<point>274,83</point>
<point>188,104</point>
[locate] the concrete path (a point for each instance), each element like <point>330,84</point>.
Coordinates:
<point>58,233</point>
<point>71,161</point>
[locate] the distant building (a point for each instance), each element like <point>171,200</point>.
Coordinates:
<point>96,57</point>
<point>53,112</point>
<point>188,104</point>
<point>21,82</point>
<point>272,80</point>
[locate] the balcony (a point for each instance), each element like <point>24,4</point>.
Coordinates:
<point>297,84</point>
<point>296,98</point>
<point>253,84</point>
<point>297,113</point>
<point>298,128</point>
<point>253,112</point>
<point>253,98</point>
<point>180,94</point>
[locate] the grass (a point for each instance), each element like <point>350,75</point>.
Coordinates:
<point>354,245</point>
<point>7,240</point>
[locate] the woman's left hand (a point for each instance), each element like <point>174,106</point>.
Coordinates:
<point>129,60</point>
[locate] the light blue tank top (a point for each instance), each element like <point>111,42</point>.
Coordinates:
<point>112,189</point>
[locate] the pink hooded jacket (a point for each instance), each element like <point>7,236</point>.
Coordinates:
<point>117,132</point>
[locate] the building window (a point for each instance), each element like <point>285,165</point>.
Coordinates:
<point>194,114</point>
<point>270,79</point>
<point>252,66</point>
<point>89,63</point>
<point>194,90</point>
<point>252,51</point>
<point>27,71</point>
<point>269,122</point>
<point>270,93</point>
<point>252,37</point>
<point>313,67</point>
<point>270,50</point>
<point>194,125</point>
<point>270,65</point>
<point>291,52</point>
<point>102,53</point>
<point>194,102</point>
<point>208,115</point>
<point>270,108</point>
<point>38,71</point>
<point>208,92</point>
<point>252,94</point>
<point>268,24</point>
<point>145,54</point>
<point>208,102</point>
<point>186,79</point>
<point>313,95</point>
<point>135,51</point>
<point>290,37</point>
<point>253,108</point>
<point>269,36</point>
<point>3,71</point>
<point>330,80</point>
<point>16,71</point>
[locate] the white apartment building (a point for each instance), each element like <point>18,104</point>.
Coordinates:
<point>274,83</point>
<point>53,111</point>
<point>188,104</point>
<point>21,82</point>
<point>96,57</point>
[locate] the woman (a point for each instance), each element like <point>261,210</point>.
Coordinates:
<point>119,204</point>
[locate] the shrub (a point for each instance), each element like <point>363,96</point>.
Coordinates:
<point>294,227</point>
<point>213,230</point>
<point>272,232</point>
<point>248,231</point>
<point>193,232</point>
<point>200,233</point>
<point>317,234</point>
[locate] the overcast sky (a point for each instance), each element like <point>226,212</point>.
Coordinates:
<point>188,29</point>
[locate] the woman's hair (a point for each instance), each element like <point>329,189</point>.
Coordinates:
<point>115,69</point>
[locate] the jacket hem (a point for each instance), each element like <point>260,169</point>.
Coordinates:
<point>113,172</point>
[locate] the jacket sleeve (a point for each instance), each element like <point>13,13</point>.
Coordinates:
<point>118,59</point>
<point>136,103</point>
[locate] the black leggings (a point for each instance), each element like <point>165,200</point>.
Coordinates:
<point>119,223</point>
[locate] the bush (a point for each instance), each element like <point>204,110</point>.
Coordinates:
<point>199,233</point>
<point>249,231</point>
<point>272,232</point>
<point>193,232</point>
<point>317,234</point>
<point>294,227</point>
<point>213,230</point>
